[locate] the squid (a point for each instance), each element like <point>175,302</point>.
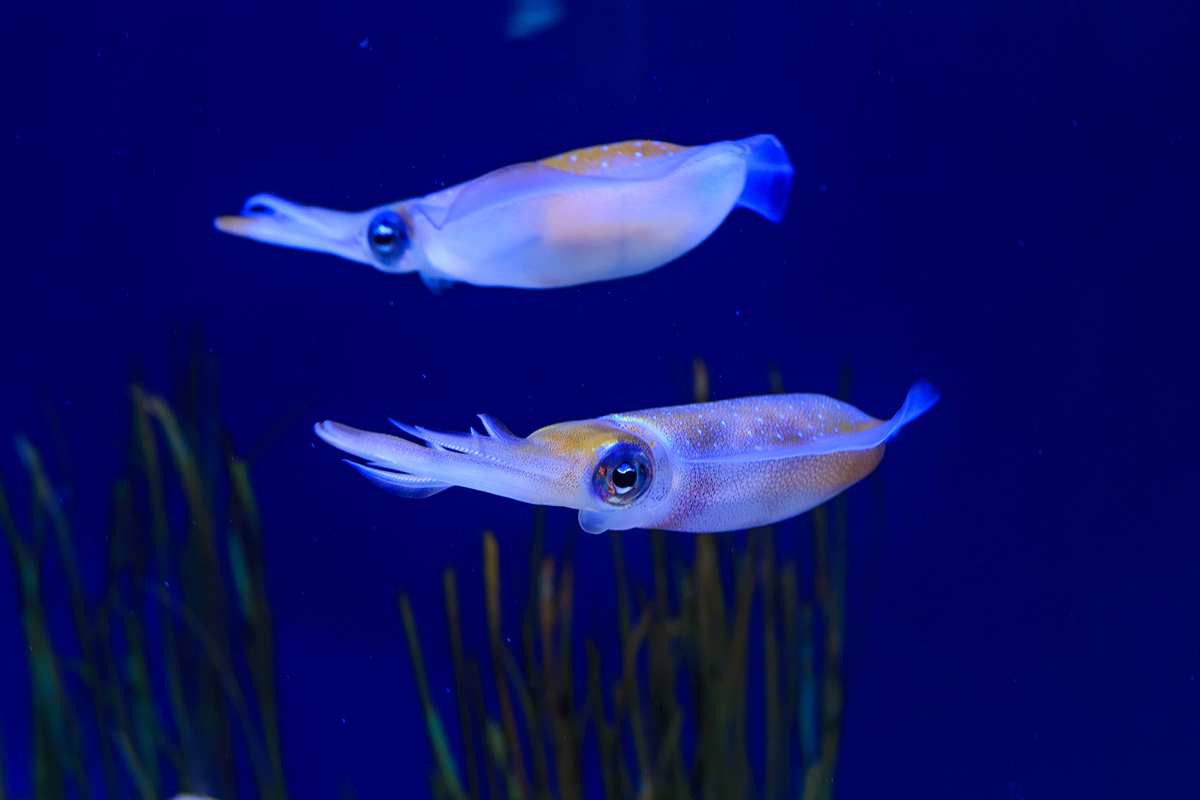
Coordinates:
<point>595,214</point>
<point>701,468</point>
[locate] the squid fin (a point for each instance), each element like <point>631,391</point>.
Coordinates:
<point>921,397</point>
<point>768,177</point>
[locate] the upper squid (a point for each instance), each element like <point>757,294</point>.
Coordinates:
<point>594,214</point>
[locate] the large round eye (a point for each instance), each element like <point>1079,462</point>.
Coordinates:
<point>623,474</point>
<point>388,236</point>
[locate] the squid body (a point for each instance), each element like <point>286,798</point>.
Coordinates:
<point>701,468</point>
<point>594,214</point>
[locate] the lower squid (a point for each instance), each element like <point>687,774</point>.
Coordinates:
<point>699,468</point>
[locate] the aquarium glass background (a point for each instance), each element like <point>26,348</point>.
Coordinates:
<point>1000,198</point>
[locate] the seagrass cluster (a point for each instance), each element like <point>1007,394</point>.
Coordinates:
<point>151,690</point>
<point>146,698</point>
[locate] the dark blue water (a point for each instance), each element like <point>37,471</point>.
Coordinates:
<point>1000,198</point>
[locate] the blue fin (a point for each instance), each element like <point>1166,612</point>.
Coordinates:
<point>768,177</point>
<point>921,397</point>
<point>400,484</point>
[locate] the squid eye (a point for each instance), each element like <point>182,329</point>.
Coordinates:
<point>387,236</point>
<point>623,474</point>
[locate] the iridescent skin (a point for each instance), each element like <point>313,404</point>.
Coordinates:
<point>700,468</point>
<point>594,214</point>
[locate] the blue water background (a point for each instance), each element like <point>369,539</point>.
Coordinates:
<point>999,197</point>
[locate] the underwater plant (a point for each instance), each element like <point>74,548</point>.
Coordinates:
<point>164,675</point>
<point>172,665</point>
<point>689,632</point>
<point>695,628</point>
